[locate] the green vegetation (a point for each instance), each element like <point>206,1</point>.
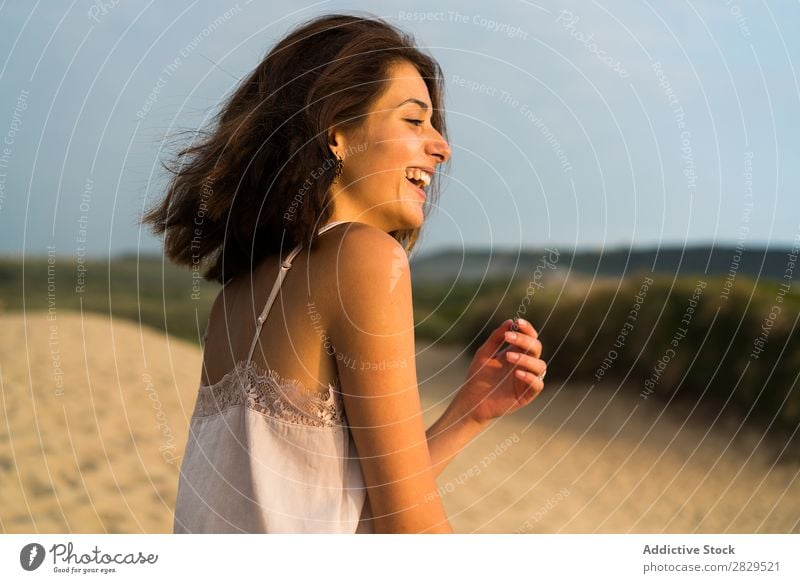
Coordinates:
<point>144,290</point>
<point>730,353</point>
<point>739,355</point>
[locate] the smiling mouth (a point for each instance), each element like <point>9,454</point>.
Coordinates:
<point>418,186</point>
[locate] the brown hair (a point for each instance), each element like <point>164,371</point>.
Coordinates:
<point>226,205</point>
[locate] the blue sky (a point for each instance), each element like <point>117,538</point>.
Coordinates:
<point>575,124</point>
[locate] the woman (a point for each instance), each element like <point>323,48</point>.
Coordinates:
<point>305,201</point>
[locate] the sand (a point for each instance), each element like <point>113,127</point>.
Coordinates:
<point>603,460</point>
<point>95,452</point>
<point>96,415</point>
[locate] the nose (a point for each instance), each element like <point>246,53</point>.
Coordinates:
<point>438,147</point>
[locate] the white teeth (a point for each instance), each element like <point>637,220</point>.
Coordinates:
<point>418,174</point>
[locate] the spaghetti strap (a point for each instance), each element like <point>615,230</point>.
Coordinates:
<point>286,264</point>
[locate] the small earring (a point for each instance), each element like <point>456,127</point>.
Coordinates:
<point>338,169</point>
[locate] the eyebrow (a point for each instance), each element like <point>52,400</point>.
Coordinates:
<point>422,104</point>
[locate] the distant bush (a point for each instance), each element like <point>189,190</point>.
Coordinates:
<point>146,290</point>
<point>742,354</point>
<point>678,339</point>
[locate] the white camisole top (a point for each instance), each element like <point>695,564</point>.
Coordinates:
<point>264,455</point>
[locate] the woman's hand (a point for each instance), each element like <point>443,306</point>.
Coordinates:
<point>498,384</point>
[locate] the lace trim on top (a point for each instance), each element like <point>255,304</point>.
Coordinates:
<point>266,392</point>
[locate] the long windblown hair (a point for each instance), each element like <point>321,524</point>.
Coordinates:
<point>257,183</point>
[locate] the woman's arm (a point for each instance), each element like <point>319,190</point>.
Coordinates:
<point>490,391</point>
<point>372,322</point>
<point>449,434</point>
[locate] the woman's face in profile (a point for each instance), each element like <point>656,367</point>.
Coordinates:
<point>397,140</point>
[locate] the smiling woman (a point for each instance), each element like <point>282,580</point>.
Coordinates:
<point>340,95</point>
<point>330,146</point>
<point>385,180</point>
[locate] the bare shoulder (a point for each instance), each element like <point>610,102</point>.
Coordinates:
<point>360,241</point>
<point>362,267</point>
<point>367,275</point>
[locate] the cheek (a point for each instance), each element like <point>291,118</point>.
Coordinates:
<point>384,150</point>
<point>380,166</point>
<point>384,163</point>
<point>393,149</point>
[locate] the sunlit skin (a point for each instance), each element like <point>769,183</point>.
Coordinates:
<point>499,383</point>
<point>373,188</point>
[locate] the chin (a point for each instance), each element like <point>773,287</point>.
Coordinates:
<point>414,220</point>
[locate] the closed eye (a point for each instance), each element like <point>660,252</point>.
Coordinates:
<point>416,122</point>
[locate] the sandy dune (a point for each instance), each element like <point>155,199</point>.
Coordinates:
<point>581,461</point>
<point>97,454</point>
<point>97,449</point>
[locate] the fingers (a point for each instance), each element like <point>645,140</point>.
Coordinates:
<point>535,385</point>
<point>526,339</point>
<point>529,368</point>
<point>495,339</point>
<point>527,328</point>
<point>529,363</point>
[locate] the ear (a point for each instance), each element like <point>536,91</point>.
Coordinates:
<point>336,141</point>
